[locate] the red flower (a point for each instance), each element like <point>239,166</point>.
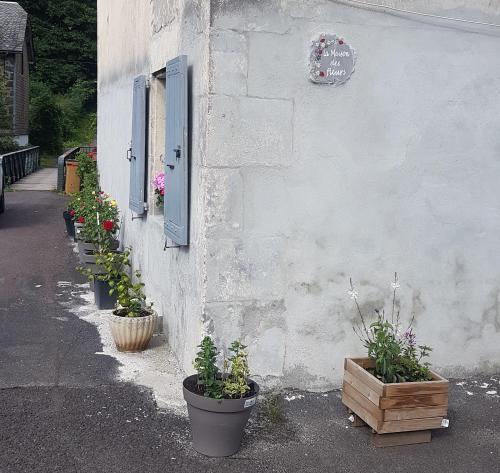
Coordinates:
<point>72,213</point>
<point>108,225</point>
<point>340,41</point>
<point>162,192</point>
<point>322,74</point>
<point>80,220</point>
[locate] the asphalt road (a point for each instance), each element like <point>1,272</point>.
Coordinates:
<point>62,409</point>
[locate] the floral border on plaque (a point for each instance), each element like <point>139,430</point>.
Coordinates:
<point>332,60</point>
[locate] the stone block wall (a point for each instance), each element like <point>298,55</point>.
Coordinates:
<point>311,184</point>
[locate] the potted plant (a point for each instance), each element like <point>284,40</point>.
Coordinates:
<point>392,389</point>
<point>219,403</point>
<point>69,220</point>
<point>133,321</point>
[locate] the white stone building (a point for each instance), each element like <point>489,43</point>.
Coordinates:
<point>296,186</point>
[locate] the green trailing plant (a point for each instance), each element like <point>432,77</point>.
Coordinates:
<point>232,383</point>
<point>115,269</point>
<point>397,356</point>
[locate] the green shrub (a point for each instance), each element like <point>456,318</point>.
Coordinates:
<point>7,144</point>
<point>46,121</point>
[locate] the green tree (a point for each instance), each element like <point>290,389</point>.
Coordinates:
<point>46,122</point>
<point>63,81</point>
<point>65,41</point>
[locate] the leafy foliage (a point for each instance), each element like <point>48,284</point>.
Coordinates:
<point>233,382</point>
<point>7,144</point>
<point>46,121</point>
<point>397,357</point>
<point>208,373</point>
<point>116,268</point>
<point>63,83</point>
<point>64,33</point>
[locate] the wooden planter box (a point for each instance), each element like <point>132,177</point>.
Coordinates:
<point>394,407</point>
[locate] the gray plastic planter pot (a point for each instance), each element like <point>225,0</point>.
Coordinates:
<point>217,424</point>
<point>70,224</point>
<point>87,257</point>
<point>103,300</point>
<point>85,246</point>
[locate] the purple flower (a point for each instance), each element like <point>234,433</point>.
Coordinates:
<point>159,183</point>
<point>409,338</point>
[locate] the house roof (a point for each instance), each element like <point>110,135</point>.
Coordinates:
<point>13,22</point>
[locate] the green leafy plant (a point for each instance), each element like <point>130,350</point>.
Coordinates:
<point>397,356</point>
<point>208,373</point>
<point>232,383</point>
<point>235,382</point>
<point>115,269</point>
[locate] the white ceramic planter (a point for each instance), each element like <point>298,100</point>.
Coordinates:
<point>132,334</point>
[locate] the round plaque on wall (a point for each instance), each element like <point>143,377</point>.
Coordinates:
<point>332,60</point>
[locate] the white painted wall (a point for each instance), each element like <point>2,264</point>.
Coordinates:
<point>397,170</point>
<point>296,186</point>
<point>138,37</point>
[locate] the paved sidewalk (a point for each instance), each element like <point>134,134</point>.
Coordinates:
<point>44,179</point>
<point>63,408</point>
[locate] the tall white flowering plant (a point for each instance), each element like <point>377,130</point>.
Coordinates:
<point>397,356</point>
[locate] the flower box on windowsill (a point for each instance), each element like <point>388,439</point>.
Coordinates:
<point>390,408</point>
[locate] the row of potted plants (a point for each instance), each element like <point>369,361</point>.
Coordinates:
<point>392,389</point>
<point>92,218</point>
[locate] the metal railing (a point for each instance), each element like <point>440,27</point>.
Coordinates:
<point>61,163</point>
<point>18,164</point>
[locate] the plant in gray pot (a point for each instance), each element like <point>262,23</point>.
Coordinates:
<point>219,404</point>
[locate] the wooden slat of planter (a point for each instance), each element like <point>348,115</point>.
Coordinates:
<point>402,438</point>
<point>415,413</point>
<point>409,425</point>
<point>360,411</point>
<point>363,401</point>
<point>419,400</point>
<point>440,385</point>
<point>353,367</point>
<point>362,388</point>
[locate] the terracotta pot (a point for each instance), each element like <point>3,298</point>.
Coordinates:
<point>132,334</point>
<point>217,424</point>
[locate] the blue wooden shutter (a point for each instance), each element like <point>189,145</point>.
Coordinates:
<point>176,152</point>
<point>138,153</point>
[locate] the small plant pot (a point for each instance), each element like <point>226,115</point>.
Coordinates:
<point>78,227</point>
<point>70,224</point>
<point>85,246</point>
<point>114,245</point>
<point>217,425</point>
<point>103,300</point>
<point>87,257</point>
<point>132,334</point>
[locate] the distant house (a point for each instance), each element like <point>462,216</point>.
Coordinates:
<point>16,56</point>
